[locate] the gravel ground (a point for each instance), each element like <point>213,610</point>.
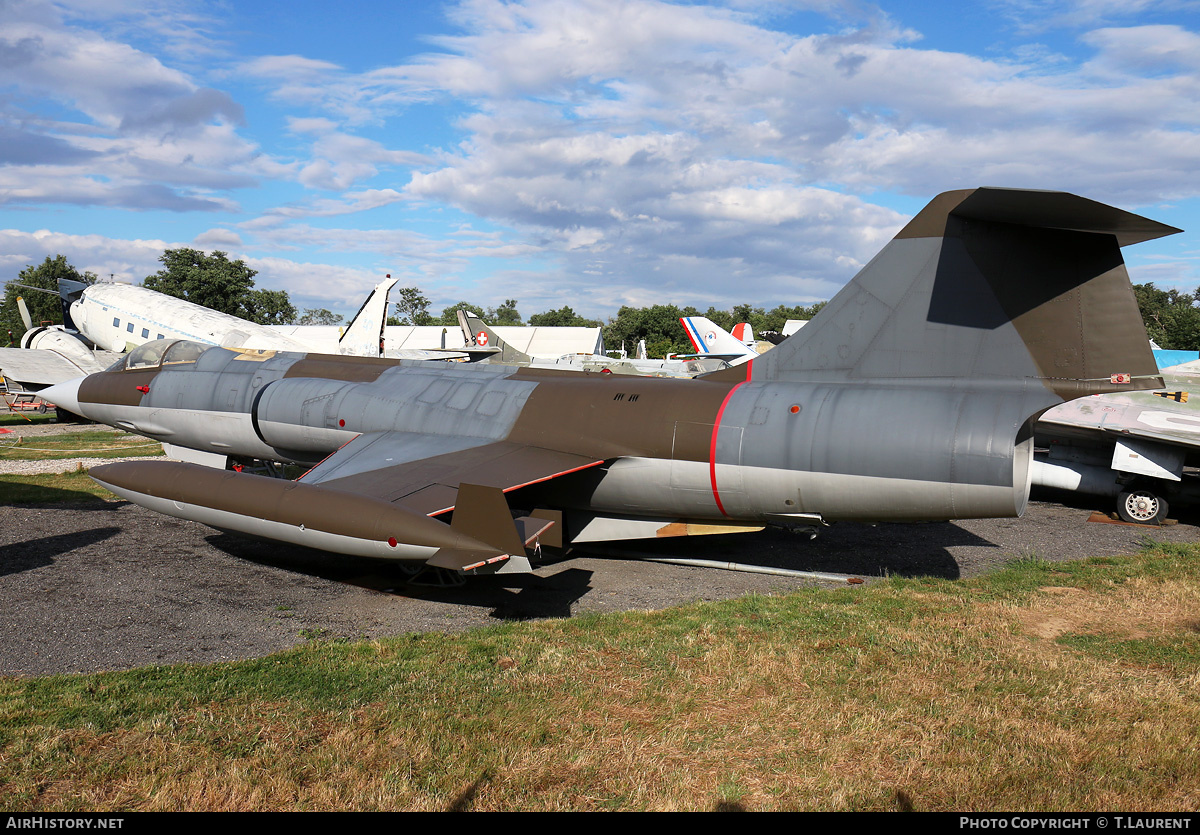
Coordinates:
<point>112,586</point>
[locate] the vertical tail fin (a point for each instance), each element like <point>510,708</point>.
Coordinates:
<point>709,338</point>
<point>479,336</point>
<point>988,284</point>
<point>69,291</point>
<point>744,334</point>
<point>363,337</point>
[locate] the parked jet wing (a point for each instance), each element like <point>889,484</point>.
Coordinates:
<point>1169,422</point>
<point>423,473</point>
<point>483,535</point>
<point>36,369</point>
<point>1131,446</point>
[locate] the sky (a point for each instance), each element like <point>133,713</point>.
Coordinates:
<point>589,153</point>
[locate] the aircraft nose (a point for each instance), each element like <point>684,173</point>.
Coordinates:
<point>64,395</point>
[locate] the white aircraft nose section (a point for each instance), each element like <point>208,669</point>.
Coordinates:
<point>64,395</point>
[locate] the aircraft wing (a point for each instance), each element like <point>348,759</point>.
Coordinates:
<point>1162,426</point>
<point>1151,416</point>
<point>1149,434</point>
<point>35,369</point>
<point>425,354</point>
<point>422,473</point>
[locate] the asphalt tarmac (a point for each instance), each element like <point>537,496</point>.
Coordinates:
<point>112,586</point>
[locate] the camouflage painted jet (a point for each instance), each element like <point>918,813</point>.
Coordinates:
<point>1132,446</point>
<point>911,396</point>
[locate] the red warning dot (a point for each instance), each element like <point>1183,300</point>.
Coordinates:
<point>392,541</point>
<point>341,423</point>
<point>794,410</point>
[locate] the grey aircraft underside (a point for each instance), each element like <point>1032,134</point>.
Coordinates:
<point>911,396</point>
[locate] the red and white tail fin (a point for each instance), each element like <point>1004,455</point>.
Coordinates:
<point>708,338</point>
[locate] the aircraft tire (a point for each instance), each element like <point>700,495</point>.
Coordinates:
<point>1142,506</point>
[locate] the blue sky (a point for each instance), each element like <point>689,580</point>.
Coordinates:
<point>589,153</point>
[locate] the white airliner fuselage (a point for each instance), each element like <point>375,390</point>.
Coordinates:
<point>119,317</point>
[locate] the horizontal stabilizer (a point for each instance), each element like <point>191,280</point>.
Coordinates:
<point>553,536</point>
<point>988,285</point>
<point>1036,210</point>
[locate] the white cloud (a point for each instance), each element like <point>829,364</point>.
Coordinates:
<point>625,151</point>
<point>125,260</point>
<point>223,239</point>
<point>633,134</point>
<point>315,285</point>
<point>134,132</point>
<point>348,203</point>
<point>341,160</point>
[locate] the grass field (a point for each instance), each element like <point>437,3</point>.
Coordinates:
<point>51,488</point>
<point>89,443</point>
<point>72,486</point>
<point>23,417</point>
<point>1044,686</point>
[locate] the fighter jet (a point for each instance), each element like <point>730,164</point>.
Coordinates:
<point>911,396</point>
<point>1129,446</point>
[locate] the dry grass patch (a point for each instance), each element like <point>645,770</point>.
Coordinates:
<point>1138,608</point>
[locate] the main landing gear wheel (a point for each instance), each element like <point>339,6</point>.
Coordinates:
<point>1142,506</point>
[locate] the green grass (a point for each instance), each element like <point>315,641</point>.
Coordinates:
<point>1045,686</point>
<point>92,443</point>
<point>1179,653</point>
<point>11,420</point>
<point>52,488</point>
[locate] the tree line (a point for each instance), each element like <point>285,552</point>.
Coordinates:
<point>1172,318</point>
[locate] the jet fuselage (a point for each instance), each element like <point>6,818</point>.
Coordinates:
<point>697,449</point>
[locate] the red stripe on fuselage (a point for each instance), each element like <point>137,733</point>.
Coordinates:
<point>712,446</point>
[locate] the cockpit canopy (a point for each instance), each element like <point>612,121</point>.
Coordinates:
<point>160,352</point>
